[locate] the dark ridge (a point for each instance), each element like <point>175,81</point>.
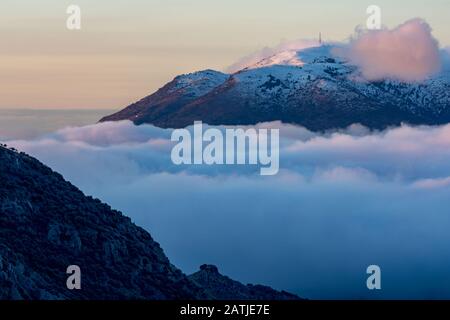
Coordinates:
<point>219,287</point>
<point>47,224</point>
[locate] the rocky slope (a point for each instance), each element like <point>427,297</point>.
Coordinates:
<point>220,287</point>
<point>312,87</point>
<point>47,224</point>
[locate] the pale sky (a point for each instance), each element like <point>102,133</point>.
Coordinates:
<point>127,49</point>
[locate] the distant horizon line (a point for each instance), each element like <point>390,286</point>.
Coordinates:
<point>58,109</point>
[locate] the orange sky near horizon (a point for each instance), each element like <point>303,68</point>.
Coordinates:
<point>128,49</point>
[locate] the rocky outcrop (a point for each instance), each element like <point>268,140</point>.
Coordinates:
<point>220,287</point>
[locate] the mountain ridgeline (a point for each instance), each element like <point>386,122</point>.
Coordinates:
<point>47,225</point>
<point>312,88</point>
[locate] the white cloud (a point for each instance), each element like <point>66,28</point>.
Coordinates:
<point>433,183</point>
<point>408,52</point>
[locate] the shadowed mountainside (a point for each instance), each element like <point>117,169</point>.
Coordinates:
<point>47,224</point>
<point>223,288</point>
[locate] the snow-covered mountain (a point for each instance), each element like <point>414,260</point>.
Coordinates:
<point>312,87</point>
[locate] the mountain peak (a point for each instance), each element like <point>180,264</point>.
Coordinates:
<point>209,268</point>
<point>299,57</point>
<point>313,87</point>
<point>287,57</point>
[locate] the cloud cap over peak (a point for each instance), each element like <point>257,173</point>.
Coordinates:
<point>408,52</point>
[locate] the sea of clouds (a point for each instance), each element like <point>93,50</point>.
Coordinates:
<point>341,202</point>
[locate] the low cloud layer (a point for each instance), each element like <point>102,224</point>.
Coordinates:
<point>342,201</point>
